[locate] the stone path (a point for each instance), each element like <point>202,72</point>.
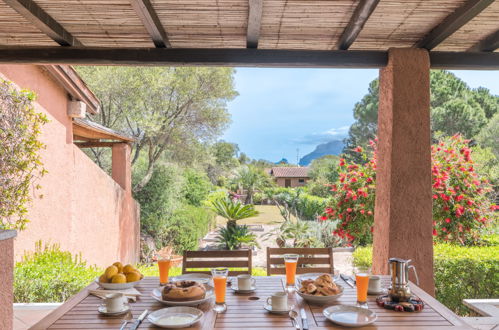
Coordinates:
<point>342,260</point>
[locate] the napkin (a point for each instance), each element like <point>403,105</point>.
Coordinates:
<point>131,293</point>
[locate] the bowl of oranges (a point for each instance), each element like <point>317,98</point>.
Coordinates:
<point>119,277</point>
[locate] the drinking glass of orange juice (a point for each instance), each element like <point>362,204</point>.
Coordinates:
<point>220,284</point>
<point>290,261</point>
<point>164,270</point>
<point>362,281</point>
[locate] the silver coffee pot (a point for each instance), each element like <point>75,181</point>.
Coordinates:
<point>399,272</point>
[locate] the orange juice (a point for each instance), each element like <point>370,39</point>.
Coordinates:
<point>220,283</point>
<point>164,269</point>
<point>290,272</point>
<point>362,284</point>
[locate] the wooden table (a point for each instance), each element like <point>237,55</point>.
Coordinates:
<point>245,311</point>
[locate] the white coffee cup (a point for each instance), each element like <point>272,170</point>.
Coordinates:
<point>114,302</point>
<point>245,282</point>
<point>278,301</point>
<point>374,284</point>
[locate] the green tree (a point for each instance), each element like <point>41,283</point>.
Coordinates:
<point>232,210</point>
<point>20,161</point>
<point>323,171</point>
<point>250,179</point>
<point>455,108</point>
<point>197,186</point>
<point>458,116</point>
<point>163,107</point>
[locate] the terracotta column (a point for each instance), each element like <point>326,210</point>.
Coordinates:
<point>403,211</point>
<point>6,278</point>
<point>122,166</point>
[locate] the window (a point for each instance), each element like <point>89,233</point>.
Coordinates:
<point>301,180</point>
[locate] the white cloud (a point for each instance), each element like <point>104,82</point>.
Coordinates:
<point>322,137</point>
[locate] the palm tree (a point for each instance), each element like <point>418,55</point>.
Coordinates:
<point>250,179</point>
<point>232,210</point>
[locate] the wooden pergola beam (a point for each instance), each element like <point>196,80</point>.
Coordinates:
<point>453,22</point>
<point>43,21</point>
<point>242,57</point>
<point>359,18</point>
<point>150,19</point>
<point>489,44</point>
<point>95,144</point>
<point>254,23</point>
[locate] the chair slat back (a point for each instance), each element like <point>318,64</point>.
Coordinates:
<point>199,261</point>
<point>311,260</point>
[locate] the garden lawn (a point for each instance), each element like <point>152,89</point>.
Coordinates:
<point>268,215</point>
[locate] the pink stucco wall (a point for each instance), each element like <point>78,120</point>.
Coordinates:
<point>82,208</point>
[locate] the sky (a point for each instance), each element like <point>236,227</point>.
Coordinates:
<point>281,110</point>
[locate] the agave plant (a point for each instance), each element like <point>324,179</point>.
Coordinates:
<point>233,237</point>
<point>233,210</point>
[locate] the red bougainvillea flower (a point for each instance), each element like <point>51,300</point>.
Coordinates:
<point>460,194</point>
<point>358,149</point>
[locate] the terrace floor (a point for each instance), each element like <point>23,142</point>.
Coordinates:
<point>26,315</point>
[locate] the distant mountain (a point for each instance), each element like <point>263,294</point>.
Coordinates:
<point>330,148</point>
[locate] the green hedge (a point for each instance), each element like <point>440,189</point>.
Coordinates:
<point>50,275</point>
<point>460,273</point>
<point>187,226</point>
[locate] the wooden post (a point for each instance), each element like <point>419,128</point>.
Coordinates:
<point>403,210</point>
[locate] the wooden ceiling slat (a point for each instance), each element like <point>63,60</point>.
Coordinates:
<point>254,23</point>
<point>43,21</point>
<point>453,22</point>
<point>145,11</point>
<point>489,44</point>
<point>359,18</point>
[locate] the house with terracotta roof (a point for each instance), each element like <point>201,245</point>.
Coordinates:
<point>290,177</point>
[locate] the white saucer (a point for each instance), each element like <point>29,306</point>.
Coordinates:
<point>103,310</point>
<point>237,290</point>
<point>269,309</point>
<point>376,293</point>
<point>349,316</point>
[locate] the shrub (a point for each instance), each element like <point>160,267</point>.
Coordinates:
<point>234,237</point>
<point>460,272</point>
<point>20,161</point>
<point>50,275</point>
<point>461,204</point>
<point>187,226</point>
<point>197,186</point>
<point>296,202</point>
<point>159,199</point>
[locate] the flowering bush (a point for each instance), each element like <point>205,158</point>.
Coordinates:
<point>461,206</point>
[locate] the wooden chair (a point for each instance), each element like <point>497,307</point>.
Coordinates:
<point>311,260</point>
<point>194,260</point>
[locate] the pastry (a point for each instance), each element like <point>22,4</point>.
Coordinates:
<point>183,291</point>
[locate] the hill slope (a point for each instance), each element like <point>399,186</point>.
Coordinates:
<point>330,148</point>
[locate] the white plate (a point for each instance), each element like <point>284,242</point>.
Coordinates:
<point>319,299</point>
<point>237,290</point>
<point>185,317</point>
<point>156,294</point>
<point>103,310</point>
<point>117,286</point>
<point>269,309</point>
<point>198,277</point>
<point>349,316</point>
